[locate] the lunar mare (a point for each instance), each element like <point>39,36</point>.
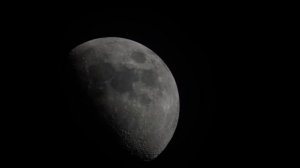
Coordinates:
<point>134,91</point>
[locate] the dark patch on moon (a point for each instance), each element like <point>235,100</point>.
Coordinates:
<point>98,75</point>
<point>149,78</point>
<point>122,80</point>
<point>138,57</point>
<point>100,72</point>
<point>145,99</point>
<point>87,51</point>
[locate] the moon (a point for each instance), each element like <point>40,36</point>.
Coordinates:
<point>132,89</point>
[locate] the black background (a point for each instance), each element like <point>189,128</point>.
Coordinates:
<point>193,43</point>
<point>220,56</point>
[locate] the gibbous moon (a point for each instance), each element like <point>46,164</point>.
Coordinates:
<point>133,90</point>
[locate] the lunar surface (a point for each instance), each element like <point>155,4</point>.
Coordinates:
<point>133,90</point>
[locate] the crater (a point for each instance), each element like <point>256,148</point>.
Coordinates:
<point>138,57</point>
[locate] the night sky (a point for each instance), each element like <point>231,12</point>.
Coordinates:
<point>190,42</point>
